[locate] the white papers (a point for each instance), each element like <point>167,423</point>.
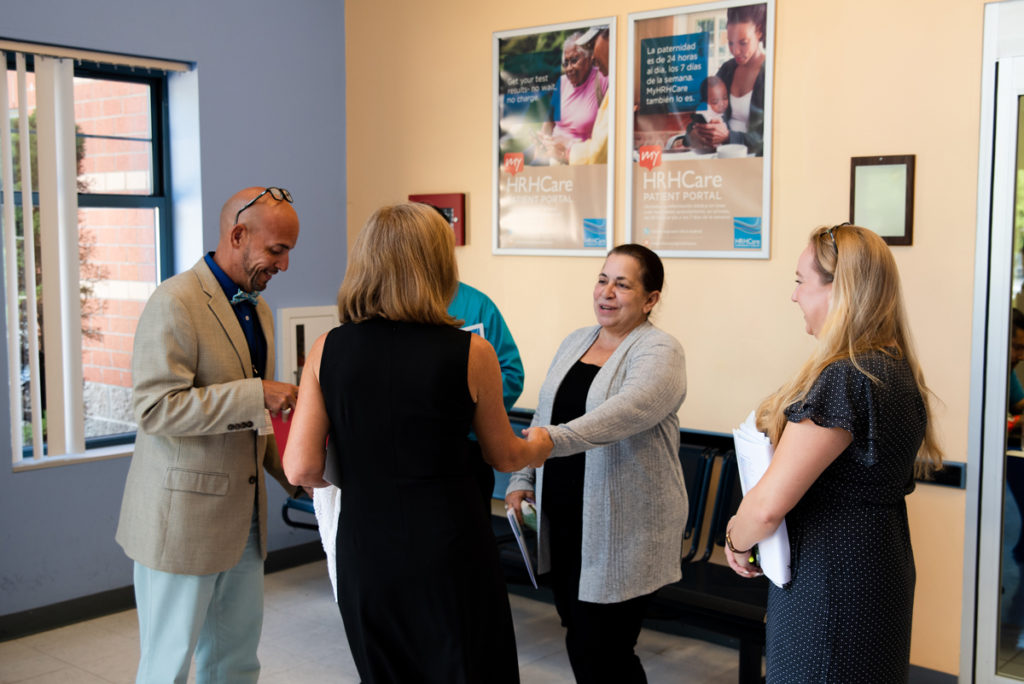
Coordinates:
<point>518,533</point>
<point>327,507</point>
<point>753,454</point>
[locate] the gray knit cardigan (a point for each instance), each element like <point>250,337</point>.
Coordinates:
<point>634,498</point>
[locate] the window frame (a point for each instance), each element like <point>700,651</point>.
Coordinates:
<point>158,199</point>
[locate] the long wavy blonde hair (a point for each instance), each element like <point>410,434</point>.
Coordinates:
<point>866,313</point>
<point>402,267</point>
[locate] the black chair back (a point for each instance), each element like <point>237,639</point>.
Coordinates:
<point>727,499</point>
<point>697,466</point>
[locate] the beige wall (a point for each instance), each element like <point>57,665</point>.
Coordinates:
<point>852,78</point>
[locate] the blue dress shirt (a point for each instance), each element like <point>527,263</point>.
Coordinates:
<point>246,314</point>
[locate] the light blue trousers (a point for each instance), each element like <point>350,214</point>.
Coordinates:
<point>217,616</point>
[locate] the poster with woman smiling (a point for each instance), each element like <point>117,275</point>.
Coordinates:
<point>554,133</point>
<point>700,130</point>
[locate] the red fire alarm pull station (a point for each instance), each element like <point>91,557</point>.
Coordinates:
<point>453,206</point>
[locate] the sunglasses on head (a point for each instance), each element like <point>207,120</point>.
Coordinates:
<point>831,234</point>
<point>280,194</point>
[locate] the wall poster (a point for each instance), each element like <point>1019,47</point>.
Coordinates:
<point>554,128</point>
<point>699,165</point>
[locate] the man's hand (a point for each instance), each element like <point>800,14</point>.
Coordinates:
<point>279,397</point>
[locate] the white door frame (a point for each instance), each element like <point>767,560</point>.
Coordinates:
<point>1002,84</point>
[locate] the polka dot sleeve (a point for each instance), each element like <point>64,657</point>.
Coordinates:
<point>842,397</point>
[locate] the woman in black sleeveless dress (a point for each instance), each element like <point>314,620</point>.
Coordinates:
<point>848,432</point>
<point>396,388</point>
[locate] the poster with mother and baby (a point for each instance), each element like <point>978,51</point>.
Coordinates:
<point>700,130</point>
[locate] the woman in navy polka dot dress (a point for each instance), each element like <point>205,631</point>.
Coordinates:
<point>850,431</point>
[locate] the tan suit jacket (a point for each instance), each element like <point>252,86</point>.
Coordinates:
<point>198,464</point>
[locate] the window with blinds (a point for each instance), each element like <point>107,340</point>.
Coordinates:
<point>84,206</point>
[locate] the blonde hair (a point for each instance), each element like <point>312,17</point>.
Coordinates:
<point>866,313</point>
<point>402,268</point>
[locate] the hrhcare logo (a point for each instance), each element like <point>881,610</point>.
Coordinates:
<point>513,163</point>
<point>650,156</point>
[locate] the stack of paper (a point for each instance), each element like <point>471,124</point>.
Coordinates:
<point>327,507</point>
<point>753,454</point>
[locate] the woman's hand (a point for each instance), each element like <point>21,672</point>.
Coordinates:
<point>557,148</point>
<point>514,500</point>
<point>540,442</point>
<point>713,133</point>
<point>743,564</point>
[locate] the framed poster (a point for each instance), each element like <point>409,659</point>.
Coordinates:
<point>882,196</point>
<point>699,165</point>
<point>554,139</point>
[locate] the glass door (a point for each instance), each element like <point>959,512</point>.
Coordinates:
<point>994,625</point>
<point>1009,659</point>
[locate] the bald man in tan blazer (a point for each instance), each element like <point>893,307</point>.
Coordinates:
<point>193,517</point>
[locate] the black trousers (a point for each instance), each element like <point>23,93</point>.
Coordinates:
<point>599,637</point>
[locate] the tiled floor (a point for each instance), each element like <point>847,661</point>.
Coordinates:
<point>304,643</point>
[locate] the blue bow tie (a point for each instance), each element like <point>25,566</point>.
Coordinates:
<point>243,296</point>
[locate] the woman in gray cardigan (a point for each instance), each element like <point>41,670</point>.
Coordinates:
<point>611,499</point>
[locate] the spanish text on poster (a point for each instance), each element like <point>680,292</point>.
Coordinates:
<point>700,130</point>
